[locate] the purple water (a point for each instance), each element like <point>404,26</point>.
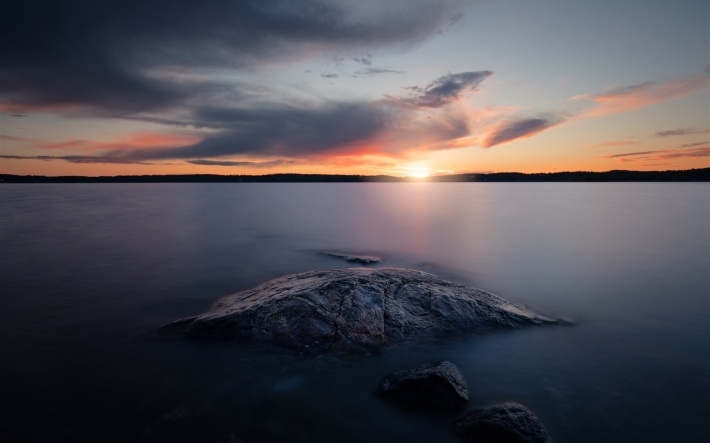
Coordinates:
<point>87,271</point>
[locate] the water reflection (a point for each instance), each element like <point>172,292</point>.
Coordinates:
<point>88,270</point>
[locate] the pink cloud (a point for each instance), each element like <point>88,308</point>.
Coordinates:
<point>662,154</point>
<point>133,141</point>
<point>682,131</point>
<point>613,143</point>
<point>639,96</point>
<point>16,139</point>
<point>619,143</point>
<point>613,101</point>
<point>520,128</point>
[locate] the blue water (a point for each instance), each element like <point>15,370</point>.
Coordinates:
<point>87,271</point>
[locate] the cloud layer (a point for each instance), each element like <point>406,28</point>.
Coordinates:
<point>612,101</point>
<point>444,90</point>
<point>682,131</point>
<point>118,56</point>
<point>278,130</point>
<point>183,65</point>
<point>661,154</point>
<point>522,128</point>
<point>151,61</point>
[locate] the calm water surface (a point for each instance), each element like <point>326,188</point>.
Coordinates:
<point>87,271</point>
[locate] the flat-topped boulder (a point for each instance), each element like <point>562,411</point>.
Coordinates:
<point>354,308</point>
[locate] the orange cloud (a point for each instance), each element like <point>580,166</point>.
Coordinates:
<point>629,98</point>
<point>10,107</point>
<point>619,143</point>
<point>642,95</point>
<point>133,141</point>
<point>613,143</point>
<point>662,154</point>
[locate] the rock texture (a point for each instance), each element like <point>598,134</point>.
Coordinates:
<point>439,388</point>
<point>503,423</point>
<point>352,308</point>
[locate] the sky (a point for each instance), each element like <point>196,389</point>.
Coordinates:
<point>397,87</point>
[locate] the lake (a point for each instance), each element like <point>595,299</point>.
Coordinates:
<point>88,271</point>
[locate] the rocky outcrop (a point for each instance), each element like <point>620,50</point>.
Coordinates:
<point>503,423</point>
<point>354,308</point>
<point>439,388</point>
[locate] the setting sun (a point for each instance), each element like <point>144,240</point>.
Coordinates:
<point>418,171</point>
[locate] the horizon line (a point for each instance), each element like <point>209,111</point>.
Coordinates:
<point>701,174</point>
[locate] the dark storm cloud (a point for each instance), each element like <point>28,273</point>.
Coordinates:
<point>520,129</point>
<point>443,90</point>
<point>277,130</point>
<point>296,130</point>
<point>290,129</point>
<point>72,159</point>
<point>329,75</point>
<point>115,54</point>
<point>204,162</point>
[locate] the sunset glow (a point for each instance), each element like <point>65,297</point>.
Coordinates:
<point>418,171</point>
<point>354,88</point>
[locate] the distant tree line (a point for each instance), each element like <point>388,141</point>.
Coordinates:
<point>688,175</point>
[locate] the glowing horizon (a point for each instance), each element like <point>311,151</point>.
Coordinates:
<point>356,88</point>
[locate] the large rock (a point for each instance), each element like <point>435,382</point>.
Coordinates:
<point>503,423</point>
<point>439,388</point>
<point>352,308</point>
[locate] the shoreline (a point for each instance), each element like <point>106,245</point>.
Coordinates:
<point>688,175</point>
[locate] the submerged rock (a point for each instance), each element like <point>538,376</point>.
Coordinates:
<point>354,258</point>
<point>438,388</point>
<point>184,426</point>
<point>353,308</point>
<point>503,423</point>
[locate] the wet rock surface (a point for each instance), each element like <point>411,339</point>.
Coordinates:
<point>439,388</point>
<point>354,308</point>
<point>360,259</point>
<point>503,423</point>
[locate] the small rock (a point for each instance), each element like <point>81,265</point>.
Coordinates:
<point>438,388</point>
<point>184,426</point>
<point>503,423</point>
<point>354,258</point>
